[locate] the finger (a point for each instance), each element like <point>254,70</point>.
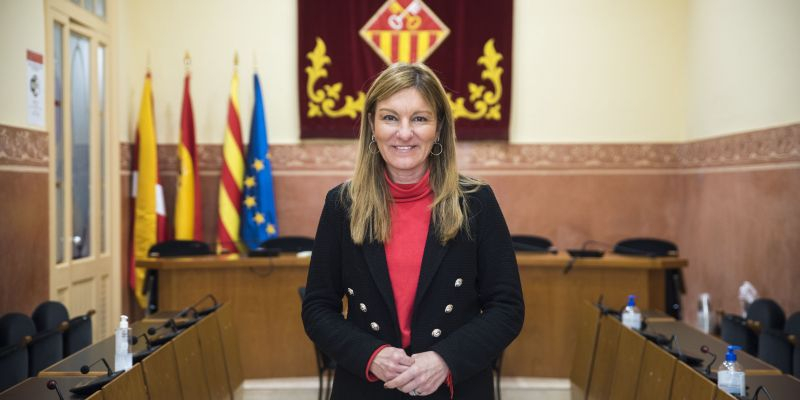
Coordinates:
<point>400,380</point>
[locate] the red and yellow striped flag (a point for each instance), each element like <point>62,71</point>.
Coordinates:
<point>230,183</point>
<point>188,211</point>
<point>150,217</point>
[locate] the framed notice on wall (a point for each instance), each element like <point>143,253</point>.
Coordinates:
<point>345,44</point>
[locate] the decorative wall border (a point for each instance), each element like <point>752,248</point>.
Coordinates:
<point>20,147</point>
<point>768,146</point>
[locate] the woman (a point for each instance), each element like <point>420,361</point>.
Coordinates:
<point>422,254</point>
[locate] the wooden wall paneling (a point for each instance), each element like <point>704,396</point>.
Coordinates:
<point>191,367</point>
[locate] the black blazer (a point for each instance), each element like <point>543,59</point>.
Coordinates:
<point>468,306</point>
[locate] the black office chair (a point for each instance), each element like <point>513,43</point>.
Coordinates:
<point>289,244</point>
<point>325,365</point>
<point>496,371</point>
<point>792,326</point>
<point>52,315</point>
<point>736,331</point>
<point>531,243</point>
<point>13,363</point>
<point>767,314</point>
<point>44,348</point>
<point>775,348</point>
<point>796,359</point>
<point>673,278</point>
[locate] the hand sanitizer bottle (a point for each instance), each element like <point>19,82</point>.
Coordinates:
<point>123,358</point>
<point>631,317</point>
<point>730,376</point>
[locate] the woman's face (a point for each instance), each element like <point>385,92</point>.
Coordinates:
<point>405,130</point>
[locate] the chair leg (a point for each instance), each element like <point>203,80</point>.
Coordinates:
<point>497,385</point>
<point>319,393</point>
<point>328,385</point>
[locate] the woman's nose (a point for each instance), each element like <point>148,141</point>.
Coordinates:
<point>405,132</point>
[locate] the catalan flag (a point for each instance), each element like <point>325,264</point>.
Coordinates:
<point>259,219</point>
<point>188,210</point>
<point>149,213</point>
<point>230,184</point>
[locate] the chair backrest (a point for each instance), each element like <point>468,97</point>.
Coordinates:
<point>774,347</point>
<point>214,357</point>
<point>604,358</point>
<point>655,376</point>
<point>767,313</point>
<point>646,247</point>
<point>79,333</point>
<point>735,331</point>
<point>161,374</point>
<point>45,349</point>
<point>14,327</point>
<point>179,248</point>
<point>49,315</point>
<point>792,326</point>
<point>13,365</point>
<point>626,368</point>
<point>796,361</point>
<point>128,386</point>
<point>230,346</point>
<point>585,340</point>
<point>688,384</point>
<point>289,244</point>
<point>531,243</point>
<point>191,366</point>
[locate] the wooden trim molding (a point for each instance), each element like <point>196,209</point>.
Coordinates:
<point>20,147</point>
<point>768,146</point>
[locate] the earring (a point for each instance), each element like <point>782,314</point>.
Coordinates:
<point>369,146</point>
<point>441,148</point>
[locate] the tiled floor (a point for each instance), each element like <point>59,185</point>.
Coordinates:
<point>306,389</point>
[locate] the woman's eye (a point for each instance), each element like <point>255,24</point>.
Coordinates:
<point>420,118</point>
<point>389,117</point>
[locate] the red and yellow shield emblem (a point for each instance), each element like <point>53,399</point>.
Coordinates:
<point>405,31</point>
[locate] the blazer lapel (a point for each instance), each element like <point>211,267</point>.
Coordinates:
<point>375,255</point>
<point>431,260</point>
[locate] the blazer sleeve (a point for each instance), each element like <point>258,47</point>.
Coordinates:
<point>475,345</point>
<point>350,346</point>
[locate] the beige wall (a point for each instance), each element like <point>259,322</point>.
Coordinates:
<point>609,72</point>
<point>21,29</point>
<point>744,65</point>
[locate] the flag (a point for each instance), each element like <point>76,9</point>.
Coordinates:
<point>188,211</point>
<point>230,182</point>
<point>147,205</point>
<point>259,219</point>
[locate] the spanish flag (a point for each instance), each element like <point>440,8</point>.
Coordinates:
<point>230,184</point>
<point>149,213</point>
<point>188,211</point>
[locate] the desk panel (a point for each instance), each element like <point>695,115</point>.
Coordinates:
<point>263,293</point>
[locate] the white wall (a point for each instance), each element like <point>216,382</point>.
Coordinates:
<point>599,71</point>
<point>744,65</point>
<point>21,29</point>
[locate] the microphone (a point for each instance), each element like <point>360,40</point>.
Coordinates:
<point>53,385</point>
<point>579,253</point>
<point>201,313</point>
<point>87,388</point>
<point>760,389</point>
<point>705,350</point>
<point>86,368</point>
<point>146,352</point>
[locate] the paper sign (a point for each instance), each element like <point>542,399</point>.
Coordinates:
<point>35,87</point>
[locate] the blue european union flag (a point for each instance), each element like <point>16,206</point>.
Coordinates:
<point>259,219</point>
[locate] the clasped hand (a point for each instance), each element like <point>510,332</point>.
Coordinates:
<point>421,373</point>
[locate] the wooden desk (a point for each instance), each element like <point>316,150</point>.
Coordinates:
<point>263,293</point>
<point>690,339</point>
<point>36,388</point>
<point>71,366</point>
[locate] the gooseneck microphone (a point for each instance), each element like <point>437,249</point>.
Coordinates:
<point>86,368</point>
<point>53,385</point>
<point>705,350</point>
<point>760,389</point>
<point>135,340</point>
<point>203,312</point>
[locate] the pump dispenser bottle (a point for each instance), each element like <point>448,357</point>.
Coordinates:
<point>631,317</point>
<point>730,376</point>
<point>123,358</point>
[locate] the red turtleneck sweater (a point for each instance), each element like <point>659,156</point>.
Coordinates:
<point>410,216</point>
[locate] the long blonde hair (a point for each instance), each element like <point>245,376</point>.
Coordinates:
<point>368,193</point>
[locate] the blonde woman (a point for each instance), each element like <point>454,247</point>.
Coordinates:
<point>422,255</point>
